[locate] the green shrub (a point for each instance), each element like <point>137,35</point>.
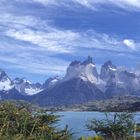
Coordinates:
<point>21,122</point>
<point>119,127</point>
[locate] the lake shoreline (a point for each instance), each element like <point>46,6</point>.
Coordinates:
<point>115,104</point>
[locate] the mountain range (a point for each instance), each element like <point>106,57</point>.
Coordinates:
<point>81,83</point>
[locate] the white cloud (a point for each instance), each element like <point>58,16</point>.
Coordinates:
<point>29,47</point>
<point>65,41</point>
<point>54,41</point>
<point>130,43</point>
<point>93,4</point>
<point>125,4</point>
<point>32,62</point>
<point>45,2</point>
<point>119,3</point>
<point>18,22</point>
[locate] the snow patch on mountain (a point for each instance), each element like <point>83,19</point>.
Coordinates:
<point>5,85</point>
<point>5,82</point>
<point>32,91</point>
<point>51,82</point>
<point>25,87</point>
<point>85,70</point>
<point>112,69</point>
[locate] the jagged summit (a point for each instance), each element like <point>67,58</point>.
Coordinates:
<point>85,62</point>
<point>5,81</point>
<point>25,87</point>
<point>85,70</point>
<point>107,70</point>
<point>51,82</point>
<point>88,61</point>
<point>109,64</point>
<point>73,63</point>
<point>3,74</point>
<point>21,80</point>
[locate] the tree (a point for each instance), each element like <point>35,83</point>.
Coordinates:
<point>119,127</point>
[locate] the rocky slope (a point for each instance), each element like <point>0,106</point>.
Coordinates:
<point>69,92</point>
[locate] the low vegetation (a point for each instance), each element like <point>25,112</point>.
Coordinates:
<point>18,121</point>
<point>118,126</point>
<point>22,121</point>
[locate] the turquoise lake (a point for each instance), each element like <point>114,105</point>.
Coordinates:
<point>77,121</point>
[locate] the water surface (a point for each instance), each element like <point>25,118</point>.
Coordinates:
<point>77,121</point>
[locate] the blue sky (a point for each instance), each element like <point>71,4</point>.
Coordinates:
<point>39,38</point>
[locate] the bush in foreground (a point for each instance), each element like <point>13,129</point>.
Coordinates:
<point>118,127</point>
<point>19,122</point>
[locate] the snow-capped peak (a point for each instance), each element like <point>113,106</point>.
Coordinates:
<point>26,81</point>
<point>107,70</point>
<point>109,65</point>
<point>24,86</point>
<point>85,70</point>
<point>5,82</point>
<point>88,61</point>
<point>51,82</point>
<point>21,80</point>
<point>3,75</point>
